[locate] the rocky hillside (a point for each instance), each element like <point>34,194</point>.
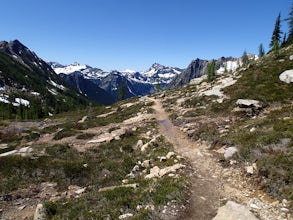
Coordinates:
<point>198,68</point>
<point>246,117</point>
<point>29,87</point>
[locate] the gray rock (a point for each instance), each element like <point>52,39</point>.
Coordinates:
<point>170,155</point>
<point>163,159</point>
<point>40,213</point>
<point>234,211</point>
<point>25,151</point>
<point>287,76</point>
<point>84,118</point>
<point>138,145</point>
<point>126,216</point>
<point>249,103</point>
<point>8,153</point>
<point>249,169</point>
<point>146,163</point>
<point>229,152</point>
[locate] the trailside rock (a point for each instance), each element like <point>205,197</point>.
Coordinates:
<point>287,76</point>
<point>154,172</point>
<point>138,145</point>
<point>40,213</point>
<point>157,172</point>
<point>249,103</point>
<point>229,152</point>
<point>170,155</point>
<point>232,211</point>
<point>125,216</point>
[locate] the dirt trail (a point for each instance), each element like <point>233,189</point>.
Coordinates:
<point>205,188</point>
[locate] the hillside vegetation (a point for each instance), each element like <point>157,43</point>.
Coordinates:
<point>91,164</point>
<point>29,88</point>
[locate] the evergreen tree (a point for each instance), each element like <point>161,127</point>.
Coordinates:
<point>276,37</point>
<point>276,47</point>
<point>158,86</point>
<point>290,24</point>
<point>261,51</point>
<point>122,90</point>
<point>245,59</point>
<point>211,71</point>
<point>284,39</point>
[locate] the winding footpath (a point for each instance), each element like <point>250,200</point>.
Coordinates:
<point>205,189</point>
<point>212,185</point>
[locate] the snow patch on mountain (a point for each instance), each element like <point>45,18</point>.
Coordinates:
<point>4,98</point>
<point>157,73</point>
<point>70,68</point>
<point>20,101</point>
<point>229,66</point>
<point>56,85</point>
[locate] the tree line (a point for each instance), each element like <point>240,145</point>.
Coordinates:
<point>278,40</point>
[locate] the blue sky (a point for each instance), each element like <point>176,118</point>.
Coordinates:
<point>133,34</point>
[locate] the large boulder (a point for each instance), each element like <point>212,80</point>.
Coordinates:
<point>249,103</point>
<point>287,76</point>
<point>232,211</point>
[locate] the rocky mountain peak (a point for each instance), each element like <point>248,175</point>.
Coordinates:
<point>157,66</point>
<point>15,48</point>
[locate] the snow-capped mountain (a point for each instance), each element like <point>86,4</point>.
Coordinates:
<point>87,71</point>
<point>137,83</point>
<point>28,83</point>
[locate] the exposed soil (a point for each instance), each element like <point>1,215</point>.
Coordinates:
<point>205,189</point>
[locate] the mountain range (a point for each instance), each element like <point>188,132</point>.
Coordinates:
<point>42,88</point>
<point>136,83</point>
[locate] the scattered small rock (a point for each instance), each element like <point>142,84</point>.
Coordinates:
<point>170,155</point>
<point>84,118</point>
<point>138,145</point>
<point>157,172</point>
<point>229,152</point>
<point>249,169</point>
<point>21,207</point>
<point>146,163</point>
<point>285,210</point>
<point>252,129</point>
<point>232,211</point>
<point>163,159</point>
<point>126,216</point>
<point>125,181</point>
<point>40,213</point>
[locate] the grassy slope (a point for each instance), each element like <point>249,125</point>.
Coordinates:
<point>271,144</point>
<point>106,165</point>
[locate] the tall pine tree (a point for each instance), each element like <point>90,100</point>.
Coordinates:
<point>276,37</point>
<point>261,51</point>
<point>290,23</point>
<point>122,90</point>
<point>211,71</point>
<point>245,59</point>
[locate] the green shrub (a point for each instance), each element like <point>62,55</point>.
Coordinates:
<point>64,133</point>
<point>85,136</point>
